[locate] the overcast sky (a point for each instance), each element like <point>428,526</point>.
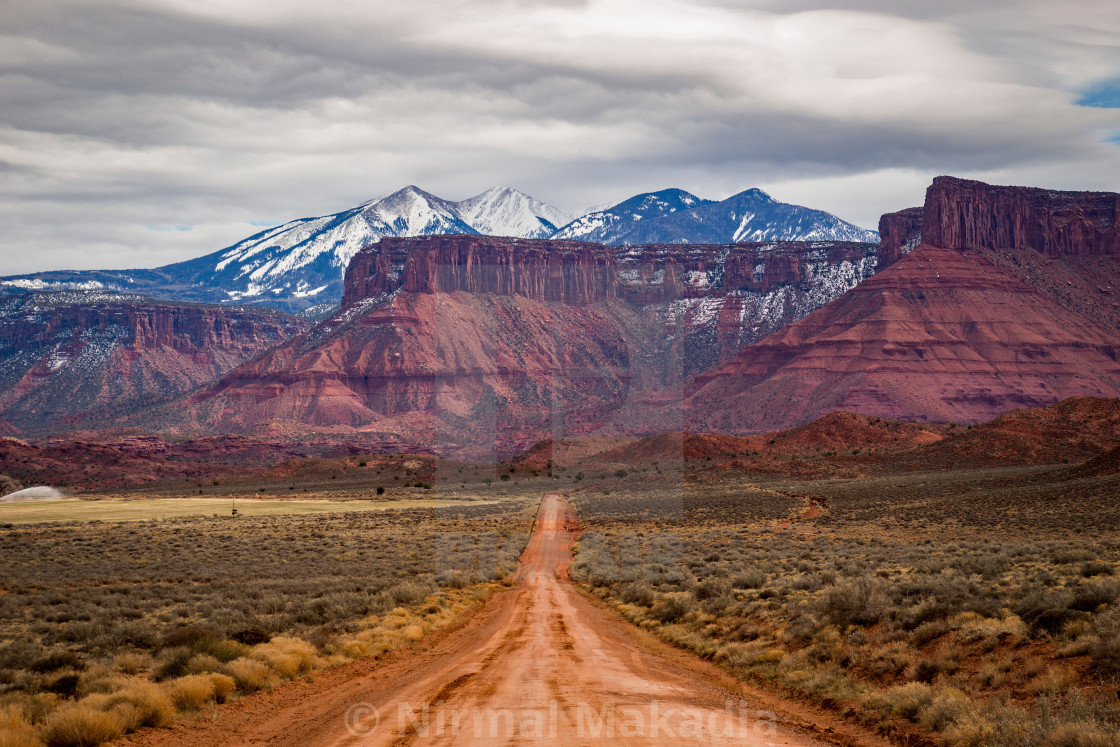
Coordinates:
<point>137,133</point>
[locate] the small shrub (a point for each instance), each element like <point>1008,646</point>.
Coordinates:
<point>1079,735</point>
<point>1045,611</point>
<point>132,662</point>
<point>672,607</point>
<point>1105,656</point>
<point>907,701</point>
<point>1091,596</point>
<point>1066,557</point>
<point>65,685</point>
<point>929,611</point>
<point>15,731</point>
<point>191,692</point>
<point>1096,568</point>
<point>224,686</point>
<point>712,588</point>
<point>892,659</point>
<point>1051,682</point>
<point>859,602</point>
<point>288,657</point>
<point>924,670</point>
<point>203,664</point>
<point>946,709</point>
<point>746,632</point>
<point>249,675</point>
<point>58,660</point>
<point>222,650</point>
<point>148,705</point>
<point>410,592</point>
<point>749,580</point>
<point>929,631</point>
<point>80,725</point>
<point>972,627</point>
<point>252,636</point>
<point>453,579</point>
<point>173,663</point>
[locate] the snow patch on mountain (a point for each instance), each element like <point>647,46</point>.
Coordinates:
<point>502,211</point>
<point>673,216</point>
<point>291,259</point>
<point>608,225</point>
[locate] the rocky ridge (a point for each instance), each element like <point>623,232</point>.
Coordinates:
<point>68,358</point>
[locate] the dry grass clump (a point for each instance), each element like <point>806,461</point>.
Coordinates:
<point>249,675</point>
<point>16,730</point>
<point>224,686</point>
<point>137,703</point>
<point>287,657</point>
<point>203,663</point>
<point>132,662</point>
<point>191,692</point>
<point>194,691</point>
<point>81,725</point>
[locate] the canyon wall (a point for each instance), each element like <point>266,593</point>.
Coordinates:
<point>964,214</point>
<point>580,273</point>
<point>456,343</point>
<point>67,357</point>
<point>899,234</point>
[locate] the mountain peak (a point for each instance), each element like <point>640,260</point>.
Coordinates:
<point>755,194</point>
<point>500,191</point>
<point>505,211</point>
<point>410,192</point>
<point>674,216</point>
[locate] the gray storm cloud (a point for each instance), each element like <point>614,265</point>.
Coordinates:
<point>139,133</point>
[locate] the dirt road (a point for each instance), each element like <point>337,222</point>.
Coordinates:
<point>539,664</point>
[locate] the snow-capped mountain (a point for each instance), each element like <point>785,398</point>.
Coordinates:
<point>609,225</point>
<point>305,259</point>
<point>299,265</point>
<point>676,217</point>
<point>502,211</point>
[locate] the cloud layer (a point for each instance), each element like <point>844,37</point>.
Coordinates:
<point>140,132</point>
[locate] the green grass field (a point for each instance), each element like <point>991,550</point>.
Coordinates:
<point>37,512</point>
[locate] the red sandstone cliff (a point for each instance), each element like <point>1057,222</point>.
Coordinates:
<point>471,344</point>
<point>578,273</point>
<point>899,234</point>
<point>72,357</point>
<point>963,214</point>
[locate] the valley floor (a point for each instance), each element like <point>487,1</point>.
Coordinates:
<point>970,607</point>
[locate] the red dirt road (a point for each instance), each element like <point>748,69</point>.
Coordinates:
<point>541,663</point>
